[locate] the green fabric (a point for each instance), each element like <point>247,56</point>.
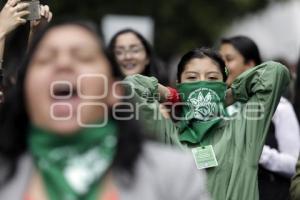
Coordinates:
<point>203,108</point>
<point>238,141</point>
<point>295,185</point>
<point>145,97</point>
<point>72,166</point>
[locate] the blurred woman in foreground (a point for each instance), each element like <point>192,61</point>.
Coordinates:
<point>64,135</point>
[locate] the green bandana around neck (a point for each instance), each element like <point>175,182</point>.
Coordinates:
<point>203,108</point>
<point>73,166</point>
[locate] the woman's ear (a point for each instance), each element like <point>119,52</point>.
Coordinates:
<point>250,64</point>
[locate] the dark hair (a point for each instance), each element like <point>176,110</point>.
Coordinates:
<point>14,119</point>
<point>154,68</point>
<point>297,91</point>
<point>245,46</point>
<point>201,53</point>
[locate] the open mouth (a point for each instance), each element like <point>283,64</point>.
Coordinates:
<point>60,90</point>
<point>64,100</point>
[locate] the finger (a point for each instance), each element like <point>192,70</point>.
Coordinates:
<point>46,11</point>
<point>50,17</point>
<point>21,7</point>
<point>12,3</point>
<point>42,11</point>
<point>21,20</point>
<point>23,13</point>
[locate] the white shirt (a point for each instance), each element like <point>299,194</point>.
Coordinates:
<point>283,160</point>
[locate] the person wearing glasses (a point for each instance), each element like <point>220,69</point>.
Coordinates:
<point>134,55</point>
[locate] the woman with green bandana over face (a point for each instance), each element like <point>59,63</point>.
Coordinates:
<point>66,133</point>
<point>228,148</point>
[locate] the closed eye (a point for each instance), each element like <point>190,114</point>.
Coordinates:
<point>213,78</point>
<point>191,77</point>
<point>228,58</point>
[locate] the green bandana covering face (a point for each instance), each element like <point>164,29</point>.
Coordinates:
<point>72,166</point>
<point>204,108</point>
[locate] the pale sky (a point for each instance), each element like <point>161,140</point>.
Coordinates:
<point>276,30</point>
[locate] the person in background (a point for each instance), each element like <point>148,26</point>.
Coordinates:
<point>134,55</point>
<point>57,144</point>
<point>11,17</point>
<point>297,90</point>
<point>281,150</point>
<point>289,94</point>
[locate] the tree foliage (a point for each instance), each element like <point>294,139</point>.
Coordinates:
<point>179,24</point>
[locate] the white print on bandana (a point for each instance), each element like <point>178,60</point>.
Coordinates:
<point>82,171</point>
<point>203,102</point>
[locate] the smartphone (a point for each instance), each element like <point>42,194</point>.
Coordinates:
<point>34,9</point>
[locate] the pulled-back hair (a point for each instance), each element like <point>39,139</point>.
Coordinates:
<point>246,47</point>
<point>201,53</point>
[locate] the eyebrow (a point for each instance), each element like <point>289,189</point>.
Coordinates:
<point>130,46</point>
<point>74,47</point>
<point>187,72</point>
<point>210,72</point>
<point>213,72</point>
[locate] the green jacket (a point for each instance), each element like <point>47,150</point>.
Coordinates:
<point>295,185</point>
<point>237,141</point>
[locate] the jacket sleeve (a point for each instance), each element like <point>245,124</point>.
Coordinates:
<point>287,130</point>
<point>259,90</point>
<point>144,91</point>
<point>279,162</point>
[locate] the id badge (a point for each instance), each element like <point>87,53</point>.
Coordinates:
<point>205,157</point>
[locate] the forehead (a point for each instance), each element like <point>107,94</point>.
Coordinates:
<point>202,65</point>
<point>227,49</point>
<point>69,36</point>
<point>127,39</point>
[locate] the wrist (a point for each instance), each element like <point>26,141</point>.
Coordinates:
<point>2,35</point>
<point>163,93</point>
<point>173,95</point>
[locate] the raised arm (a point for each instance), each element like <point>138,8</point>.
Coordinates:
<point>146,95</point>
<point>11,16</point>
<point>259,89</point>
